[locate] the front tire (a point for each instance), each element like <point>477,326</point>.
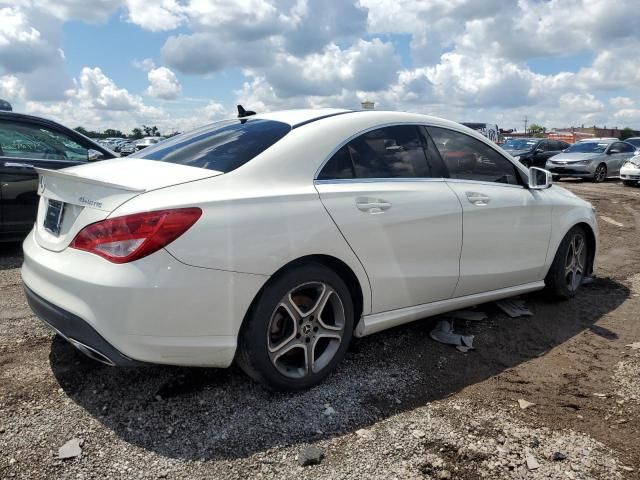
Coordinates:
<point>600,173</point>
<point>298,329</point>
<point>569,266</point>
<point>629,183</point>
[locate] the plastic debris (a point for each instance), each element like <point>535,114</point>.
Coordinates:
<point>611,221</point>
<point>532,463</point>
<point>71,449</point>
<point>472,315</point>
<point>634,346</point>
<point>525,404</point>
<point>443,333</point>
<point>462,349</point>
<point>514,308</point>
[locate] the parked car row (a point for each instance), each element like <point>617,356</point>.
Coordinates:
<point>125,146</point>
<point>593,158</point>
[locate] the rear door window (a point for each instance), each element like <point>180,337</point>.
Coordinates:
<point>399,151</point>
<point>223,146</point>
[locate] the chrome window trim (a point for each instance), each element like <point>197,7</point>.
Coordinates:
<point>484,140</point>
<point>379,180</point>
<point>31,159</point>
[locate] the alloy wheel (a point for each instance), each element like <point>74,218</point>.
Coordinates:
<point>305,330</point>
<point>601,173</point>
<point>575,262</point>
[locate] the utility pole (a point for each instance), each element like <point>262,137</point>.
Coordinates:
<point>525,125</point>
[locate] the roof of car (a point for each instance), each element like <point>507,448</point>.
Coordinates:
<point>300,116</point>
<point>600,140</point>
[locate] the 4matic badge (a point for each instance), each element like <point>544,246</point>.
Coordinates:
<point>91,203</point>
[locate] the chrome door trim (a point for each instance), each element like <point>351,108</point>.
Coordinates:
<point>378,180</point>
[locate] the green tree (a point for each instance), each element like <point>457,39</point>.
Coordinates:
<point>151,131</point>
<point>536,130</point>
<point>626,133</point>
<point>136,133</point>
<point>110,132</point>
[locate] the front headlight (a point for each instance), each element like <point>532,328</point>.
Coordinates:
<point>583,162</point>
<point>631,165</point>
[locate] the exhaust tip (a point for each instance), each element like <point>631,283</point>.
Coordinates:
<point>91,352</point>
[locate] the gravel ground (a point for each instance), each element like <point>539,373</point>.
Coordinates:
<point>400,406</point>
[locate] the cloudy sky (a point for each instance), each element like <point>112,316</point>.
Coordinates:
<point>181,63</point>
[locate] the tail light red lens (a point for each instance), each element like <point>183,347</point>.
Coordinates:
<point>129,238</point>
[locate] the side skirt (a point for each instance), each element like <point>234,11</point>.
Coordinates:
<point>377,322</point>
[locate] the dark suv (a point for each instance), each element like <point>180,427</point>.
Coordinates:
<point>27,142</point>
<point>534,152</point>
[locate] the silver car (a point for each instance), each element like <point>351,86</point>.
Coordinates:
<point>595,158</point>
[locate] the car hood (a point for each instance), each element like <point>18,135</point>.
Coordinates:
<point>517,153</point>
<point>574,157</point>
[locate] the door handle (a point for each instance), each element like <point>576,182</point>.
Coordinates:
<point>372,205</point>
<point>18,165</point>
<point>478,199</point>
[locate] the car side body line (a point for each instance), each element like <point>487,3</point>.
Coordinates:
<point>377,322</point>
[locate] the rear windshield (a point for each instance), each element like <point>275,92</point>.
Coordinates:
<point>222,146</point>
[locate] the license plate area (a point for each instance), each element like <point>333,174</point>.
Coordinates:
<point>53,217</point>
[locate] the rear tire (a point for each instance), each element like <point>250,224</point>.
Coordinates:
<point>298,329</point>
<point>600,173</point>
<point>570,265</point>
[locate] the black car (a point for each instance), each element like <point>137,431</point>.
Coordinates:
<point>26,142</point>
<point>534,152</point>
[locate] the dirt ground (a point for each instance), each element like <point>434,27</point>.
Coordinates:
<point>400,406</point>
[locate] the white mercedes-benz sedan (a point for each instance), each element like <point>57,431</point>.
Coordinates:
<point>274,239</point>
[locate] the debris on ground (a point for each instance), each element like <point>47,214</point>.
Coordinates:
<point>443,333</point>
<point>71,449</point>
<point>611,221</point>
<point>525,404</point>
<point>470,315</point>
<point>328,410</point>
<point>558,456</point>
<point>463,349</point>
<point>634,346</point>
<point>513,307</point>
<point>532,463</point>
<point>310,456</point>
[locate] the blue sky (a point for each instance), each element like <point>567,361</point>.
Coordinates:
<point>181,63</point>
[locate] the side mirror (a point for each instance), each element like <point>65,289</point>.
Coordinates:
<point>539,150</point>
<point>612,151</point>
<point>94,155</point>
<point>539,179</point>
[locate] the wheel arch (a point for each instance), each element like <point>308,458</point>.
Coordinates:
<point>345,272</point>
<point>591,242</point>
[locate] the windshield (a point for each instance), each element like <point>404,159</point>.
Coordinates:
<point>587,147</point>
<point>222,146</point>
<point>519,144</point>
<point>635,160</point>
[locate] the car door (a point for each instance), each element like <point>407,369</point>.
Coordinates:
<point>386,193</point>
<point>25,144</point>
<point>506,226</point>
<point>616,156</point>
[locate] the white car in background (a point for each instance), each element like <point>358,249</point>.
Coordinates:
<point>274,239</point>
<point>630,171</point>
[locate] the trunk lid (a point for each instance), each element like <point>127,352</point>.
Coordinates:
<point>75,197</point>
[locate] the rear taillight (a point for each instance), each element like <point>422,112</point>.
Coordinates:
<point>129,238</point>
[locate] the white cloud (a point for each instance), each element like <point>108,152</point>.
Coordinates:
<point>621,102</point>
<point>145,65</point>
<point>157,15</point>
<point>163,84</point>
<point>96,101</point>
<point>11,89</point>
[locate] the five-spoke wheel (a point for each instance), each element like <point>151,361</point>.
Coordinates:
<point>575,261</point>
<point>306,329</point>
<point>570,265</point>
<point>298,329</point>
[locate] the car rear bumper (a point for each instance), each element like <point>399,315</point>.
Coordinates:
<point>154,310</point>
<point>77,332</point>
